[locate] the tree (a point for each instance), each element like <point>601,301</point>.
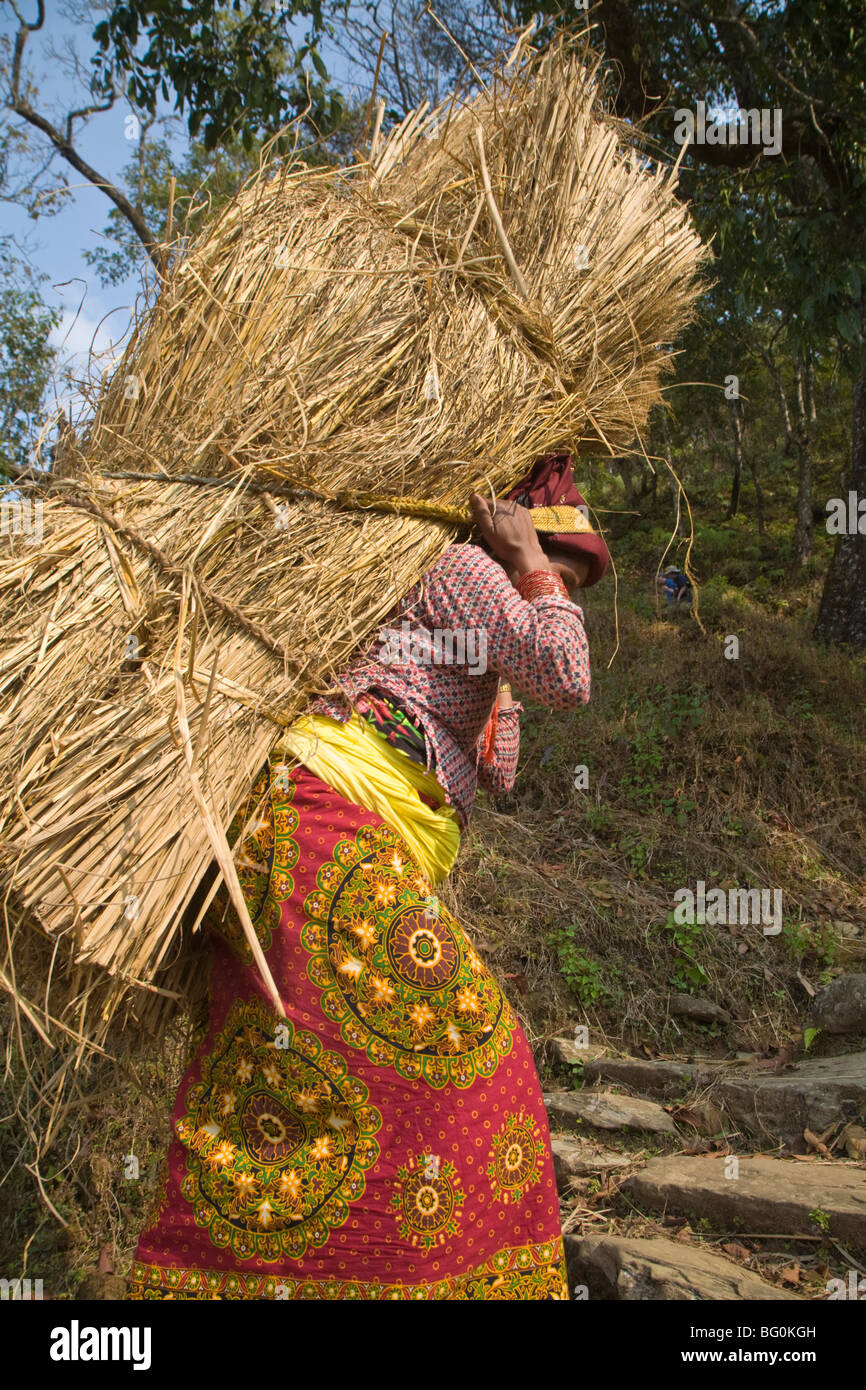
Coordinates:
<point>26,359</point>
<point>233,67</point>
<point>803,58</point>
<point>409,55</point>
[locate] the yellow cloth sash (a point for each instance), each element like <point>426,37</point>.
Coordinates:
<point>358,764</point>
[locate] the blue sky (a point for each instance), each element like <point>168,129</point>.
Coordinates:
<point>93,317</point>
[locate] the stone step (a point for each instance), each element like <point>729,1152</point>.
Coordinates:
<point>581,1158</point>
<point>630,1271</point>
<point>761,1102</point>
<point>604,1110</point>
<point>768,1195</point>
<point>812,1094</point>
<point>841,1006</point>
<point>664,1078</point>
<point>566,1050</point>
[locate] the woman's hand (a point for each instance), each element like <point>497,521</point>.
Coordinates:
<point>510,534</point>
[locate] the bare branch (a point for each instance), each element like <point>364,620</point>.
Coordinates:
<point>63,142</point>
<point>87,111</point>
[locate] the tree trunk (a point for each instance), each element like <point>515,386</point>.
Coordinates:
<point>630,466</point>
<point>810,392</point>
<point>737,426</point>
<point>759,496</point>
<point>783,402</point>
<point>842,615</point>
<point>804,539</point>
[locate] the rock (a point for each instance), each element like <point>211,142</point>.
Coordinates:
<point>854,1139</point>
<point>580,1158</point>
<point>812,1094</point>
<point>695,1007</point>
<point>630,1271</point>
<point>566,1050</point>
<point>769,1195</point>
<point>668,1078</point>
<point>706,1117</point>
<point>762,1103</point>
<point>851,946</point>
<point>604,1110</point>
<point>841,1007</point>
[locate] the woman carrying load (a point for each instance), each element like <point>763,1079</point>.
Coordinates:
<point>387,1139</point>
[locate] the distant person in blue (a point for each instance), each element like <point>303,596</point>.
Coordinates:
<point>676,585</point>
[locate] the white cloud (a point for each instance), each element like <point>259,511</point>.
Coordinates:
<point>81,338</point>
<point>87,348</point>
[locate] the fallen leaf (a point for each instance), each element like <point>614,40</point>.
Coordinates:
<point>106,1259</point>
<point>683,1115</point>
<point>520,981</point>
<point>791,1275</point>
<point>739,1252</point>
<point>695,1146</point>
<point>600,888</point>
<point>815,1143</point>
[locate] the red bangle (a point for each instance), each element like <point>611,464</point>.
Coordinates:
<point>540,584</point>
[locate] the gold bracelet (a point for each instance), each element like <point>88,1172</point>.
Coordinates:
<point>505,688</point>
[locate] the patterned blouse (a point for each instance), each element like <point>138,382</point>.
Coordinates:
<point>442,652</point>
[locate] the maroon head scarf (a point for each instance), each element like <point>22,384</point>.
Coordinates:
<point>550,483</point>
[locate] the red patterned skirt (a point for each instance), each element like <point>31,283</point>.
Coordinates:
<point>386,1141</point>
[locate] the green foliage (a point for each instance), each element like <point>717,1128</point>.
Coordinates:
<point>637,848</point>
<point>26,358</point>
<point>688,974</point>
<point>582,974</point>
<point>658,718</point>
<point>235,67</point>
<point>599,819</point>
<point>817,940</point>
<point>679,809</point>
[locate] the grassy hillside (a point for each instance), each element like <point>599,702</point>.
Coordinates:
<point>744,772</point>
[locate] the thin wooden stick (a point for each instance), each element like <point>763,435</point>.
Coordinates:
<point>495,217</point>
<point>216,835</point>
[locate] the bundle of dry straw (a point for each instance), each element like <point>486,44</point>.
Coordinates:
<point>500,278</point>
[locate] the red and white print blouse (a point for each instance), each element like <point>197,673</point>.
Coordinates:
<point>442,653</point>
